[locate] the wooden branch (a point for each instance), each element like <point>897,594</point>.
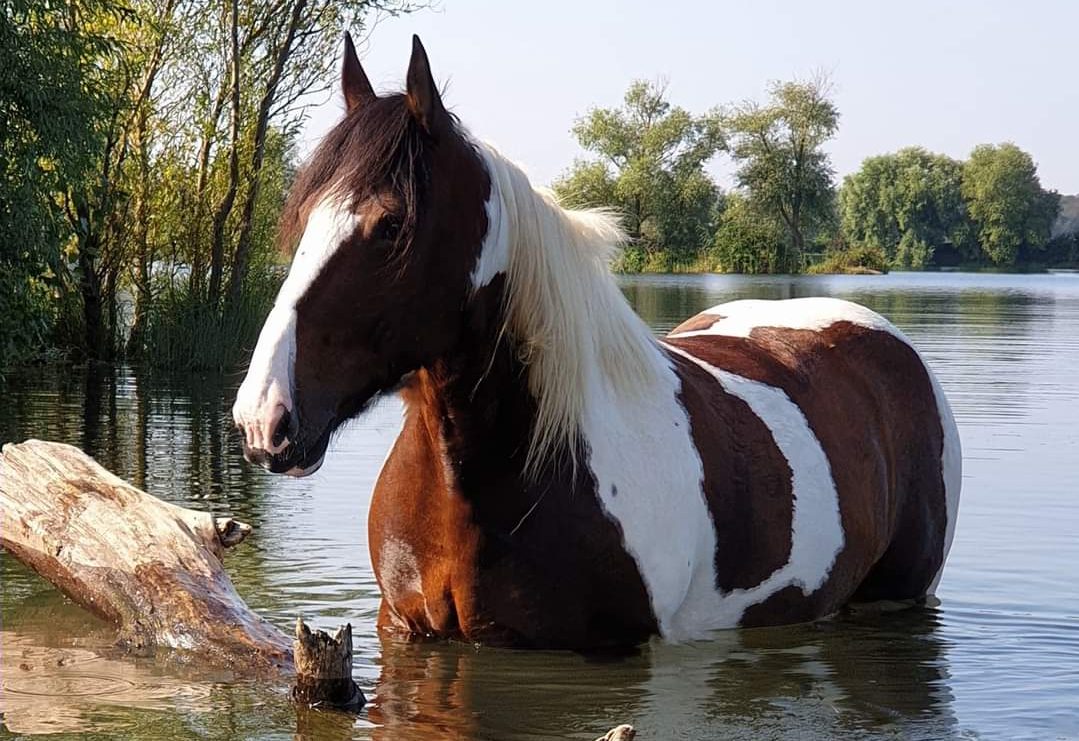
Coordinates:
<point>152,569</point>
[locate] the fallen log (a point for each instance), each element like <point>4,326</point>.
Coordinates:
<point>154,570</point>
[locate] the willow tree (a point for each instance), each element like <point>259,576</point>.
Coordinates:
<point>907,204</point>
<point>50,95</point>
<point>779,150</point>
<point>1006,201</point>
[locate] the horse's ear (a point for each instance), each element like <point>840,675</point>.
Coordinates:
<point>421,93</point>
<point>354,83</point>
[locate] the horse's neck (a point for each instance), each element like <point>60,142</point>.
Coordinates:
<point>476,408</point>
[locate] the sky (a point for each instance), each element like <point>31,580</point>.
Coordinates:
<point>944,75</point>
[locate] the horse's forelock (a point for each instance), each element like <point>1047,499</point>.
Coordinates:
<point>376,146</point>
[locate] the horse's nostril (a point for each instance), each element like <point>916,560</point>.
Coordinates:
<point>283,429</point>
<point>258,457</point>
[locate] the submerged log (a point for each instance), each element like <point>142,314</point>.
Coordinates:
<point>151,568</point>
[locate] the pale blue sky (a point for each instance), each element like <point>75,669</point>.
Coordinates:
<point>945,75</point>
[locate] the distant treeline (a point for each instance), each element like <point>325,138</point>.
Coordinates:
<point>146,147</point>
<point>912,209</point>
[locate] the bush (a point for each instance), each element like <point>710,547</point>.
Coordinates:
<point>862,260</point>
<point>749,242</point>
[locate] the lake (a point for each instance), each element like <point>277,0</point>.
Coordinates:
<point>997,658</point>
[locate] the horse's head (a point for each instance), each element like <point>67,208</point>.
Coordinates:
<point>390,215</point>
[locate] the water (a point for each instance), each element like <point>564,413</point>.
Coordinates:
<point>999,658</point>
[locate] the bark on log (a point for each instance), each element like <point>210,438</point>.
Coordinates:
<point>149,567</point>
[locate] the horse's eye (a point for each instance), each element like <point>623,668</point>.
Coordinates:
<point>388,229</point>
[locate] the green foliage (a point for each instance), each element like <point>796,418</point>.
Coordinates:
<point>144,147</point>
<point>50,97</point>
<point>781,161</point>
<point>183,332</point>
<point>906,204</point>
<point>1067,221</point>
<point>861,260</point>
<point>749,240</point>
<point>913,204</point>
<point>650,168</point>
<point>1006,202</point>
<point>1062,250</point>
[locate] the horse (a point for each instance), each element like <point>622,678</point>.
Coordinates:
<point>563,478</point>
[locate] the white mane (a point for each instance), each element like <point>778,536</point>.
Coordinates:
<point>573,329</point>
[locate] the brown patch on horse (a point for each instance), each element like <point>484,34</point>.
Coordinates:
<point>503,559</point>
<point>866,395</point>
<point>696,324</point>
<point>747,481</point>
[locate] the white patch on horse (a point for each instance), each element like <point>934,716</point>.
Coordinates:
<point>951,472</point>
<point>494,252</point>
<point>739,318</point>
<point>817,529</point>
<point>660,509</point>
<point>399,573</point>
<point>266,392</point>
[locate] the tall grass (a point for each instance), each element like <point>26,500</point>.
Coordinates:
<point>184,332</point>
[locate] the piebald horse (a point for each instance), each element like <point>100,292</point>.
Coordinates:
<point>563,478</point>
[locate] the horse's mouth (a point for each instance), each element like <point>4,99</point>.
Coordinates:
<point>301,459</point>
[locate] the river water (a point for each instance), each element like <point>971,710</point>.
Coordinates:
<point>998,658</point>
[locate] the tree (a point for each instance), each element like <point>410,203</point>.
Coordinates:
<point>650,167</point>
<point>1006,201</point>
<point>147,147</point>
<point>51,98</point>
<point>907,204</point>
<point>781,162</point>
<point>747,240</point>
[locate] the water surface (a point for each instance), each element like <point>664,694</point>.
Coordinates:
<point>998,658</point>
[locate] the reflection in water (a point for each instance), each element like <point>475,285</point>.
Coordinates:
<point>173,430</point>
<point>998,658</point>
<point>871,675</point>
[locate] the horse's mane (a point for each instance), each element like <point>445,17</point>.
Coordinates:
<point>573,330</point>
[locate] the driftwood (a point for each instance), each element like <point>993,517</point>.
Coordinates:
<point>154,570</point>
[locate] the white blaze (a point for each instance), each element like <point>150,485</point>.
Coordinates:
<point>266,392</point>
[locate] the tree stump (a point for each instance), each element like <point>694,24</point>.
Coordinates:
<point>324,668</point>
<point>154,570</point>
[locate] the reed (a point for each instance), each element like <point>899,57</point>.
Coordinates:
<point>185,332</point>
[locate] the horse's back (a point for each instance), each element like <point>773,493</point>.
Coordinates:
<point>839,388</point>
